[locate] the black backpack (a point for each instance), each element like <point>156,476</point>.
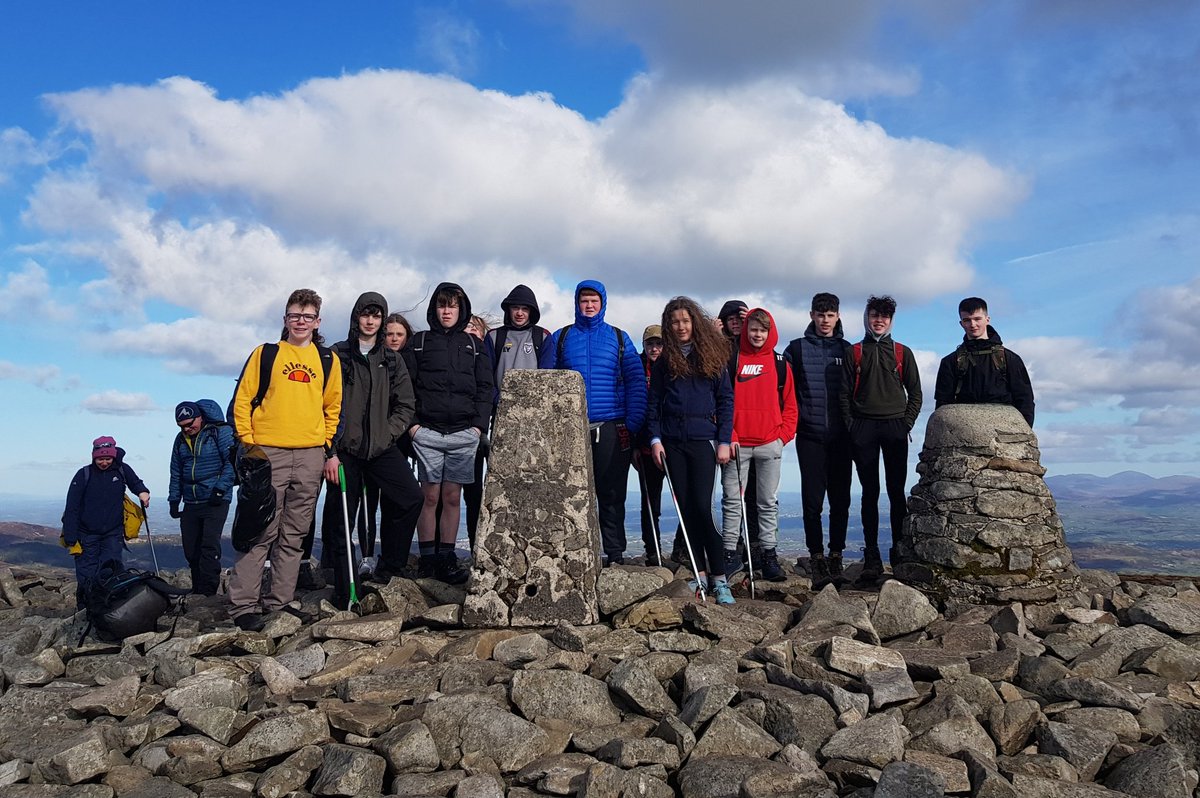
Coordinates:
<point>122,602</point>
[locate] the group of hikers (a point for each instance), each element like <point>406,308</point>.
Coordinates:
<point>703,395</point>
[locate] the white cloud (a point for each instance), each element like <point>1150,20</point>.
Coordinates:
<point>26,294</point>
<point>449,41</point>
<point>48,377</point>
<point>119,403</point>
<point>676,186</point>
<point>17,148</point>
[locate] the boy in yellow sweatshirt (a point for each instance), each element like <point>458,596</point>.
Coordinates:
<point>293,426</point>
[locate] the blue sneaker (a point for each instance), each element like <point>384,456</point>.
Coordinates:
<point>723,594</point>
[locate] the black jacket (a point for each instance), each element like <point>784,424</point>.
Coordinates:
<point>880,390</point>
<point>377,395</point>
<point>817,365</point>
<point>451,373</point>
<point>985,372</point>
<point>95,500</point>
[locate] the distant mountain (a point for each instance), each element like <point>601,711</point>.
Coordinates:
<point>1128,488</point>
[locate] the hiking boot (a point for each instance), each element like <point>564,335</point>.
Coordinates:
<point>733,563</point>
<point>366,566</point>
<point>835,566</point>
<point>652,561</point>
<point>305,579</point>
<point>818,569</point>
<point>616,559</point>
<point>872,565</point>
<point>770,567</point>
<point>305,617</point>
<point>680,556</point>
<point>447,570</point>
<point>252,622</point>
<point>723,594</point>
<point>427,566</point>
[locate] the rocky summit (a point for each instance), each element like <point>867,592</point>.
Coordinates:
<point>799,694</point>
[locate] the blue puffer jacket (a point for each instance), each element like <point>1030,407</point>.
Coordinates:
<point>202,465</point>
<point>614,391</point>
<point>817,365</point>
<point>689,408</point>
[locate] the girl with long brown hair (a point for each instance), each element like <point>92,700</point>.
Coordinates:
<point>690,419</point>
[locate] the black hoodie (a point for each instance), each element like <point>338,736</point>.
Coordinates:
<point>451,372</point>
<point>377,394</point>
<point>979,379</point>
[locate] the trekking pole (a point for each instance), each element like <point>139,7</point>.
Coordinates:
<point>745,525</point>
<point>153,556</point>
<point>650,513</point>
<point>349,543</point>
<point>700,591</point>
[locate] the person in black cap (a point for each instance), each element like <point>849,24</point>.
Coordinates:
<point>202,479</point>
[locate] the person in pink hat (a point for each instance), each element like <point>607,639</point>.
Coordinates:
<point>94,518</point>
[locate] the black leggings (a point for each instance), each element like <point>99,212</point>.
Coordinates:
<point>825,469</point>
<point>869,438</point>
<point>692,468</point>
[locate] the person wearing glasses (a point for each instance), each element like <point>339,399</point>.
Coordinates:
<point>291,421</point>
<point>202,480</point>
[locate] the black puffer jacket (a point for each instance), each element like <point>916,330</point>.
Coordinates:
<point>817,365</point>
<point>979,378</point>
<point>377,395</point>
<point>451,372</point>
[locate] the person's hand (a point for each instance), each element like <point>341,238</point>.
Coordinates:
<point>75,549</point>
<point>412,431</point>
<point>723,453</point>
<point>658,452</point>
<point>175,511</point>
<point>331,469</point>
<point>217,497</point>
<point>145,497</point>
<point>637,459</point>
<point>733,449</point>
<point>478,432</point>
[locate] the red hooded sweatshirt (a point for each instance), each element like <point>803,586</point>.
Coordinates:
<point>757,417</point>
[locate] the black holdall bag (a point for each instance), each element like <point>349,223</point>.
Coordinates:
<point>255,507</point>
<point>122,602</point>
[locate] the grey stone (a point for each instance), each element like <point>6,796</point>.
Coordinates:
<point>1173,661</point>
<point>219,723</point>
<point>901,610</point>
<point>427,784</point>
<point>483,785</point>
<point>520,650</point>
<point>205,690</point>
<point>930,664</point>
<point>556,773</point>
<point>1040,765</point>
<point>678,641</point>
<point>1157,772</point>
<point>633,681</point>
<point>1094,692</point>
<point>909,780</point>
<point>975,690</point>
<point>676,732</point>
<point>503,738</point>
<point>412,681</point>
<point>1040,674</point>
<point>952,771</point>
<point>956,734</point>
<point>408,748</point>
<point>117,698</point>
<point>730,733</point>
<point>710,667</point>
<point>806,721</point>
<point>1038,787</point>
<point>999,667</point>
<point>77,758</point>
<point>349,770</point>
<point>722,776</point>
<point>875,741</point>
<point>565,695</point>
<point>1011,724</point>
<point>1184,733</point>
<point>705,702</point>
<point>536,550</point>
<point>274,737</point>
<point>1118,721</point>
<point>304,662</point>
<point>1170,615</point>
<point>829,610</point>
<point>627,753</point>
<point>891,686</point>
<point>368,629</point>
<point>290,775</point>
<point>726,622</point>
<point>1084,748</point>
<point>617,588</point>
<point>855,658</point>
<point>363,719</point>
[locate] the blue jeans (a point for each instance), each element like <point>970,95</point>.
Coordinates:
<point>97,549</point>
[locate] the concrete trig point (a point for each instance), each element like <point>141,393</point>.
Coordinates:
<point>982,525</point>
<point>537,548</point>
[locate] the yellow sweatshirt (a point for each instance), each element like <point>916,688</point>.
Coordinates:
<point>298,410</point>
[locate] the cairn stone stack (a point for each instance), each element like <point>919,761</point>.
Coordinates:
<point>982,525</point>
<point>537,549</point>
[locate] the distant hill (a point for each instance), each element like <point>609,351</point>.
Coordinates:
<point>1129,488</point>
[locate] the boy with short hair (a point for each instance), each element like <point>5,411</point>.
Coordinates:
<point>822,442</point>
<point>452,379</point>
<point>293,422</point>
<point>201,478</point>
<point>982,370</point>
<point>764,421</point>
<point>94,518</point>
<point>880,404</point>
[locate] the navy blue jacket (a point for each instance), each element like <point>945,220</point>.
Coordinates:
<point>95,500</point>
<point>203,466</point>
<point>689,408</point>
<point>615,391</point>
<point>817,366</point>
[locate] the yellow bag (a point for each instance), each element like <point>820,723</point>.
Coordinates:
<point>135,515</point>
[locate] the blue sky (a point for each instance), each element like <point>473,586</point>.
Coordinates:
<point>169,172</point>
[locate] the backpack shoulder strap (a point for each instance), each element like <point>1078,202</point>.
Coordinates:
<point>856,354</point>
<point>326,355</point>
<point>266,363</point>
<point>562,340</point>
<point>898,349</point>
<point>418,341</point>
<point>539,338</point>
<point>732,369</point>
<point>620,355</point>
<point>781,367</point>
<point>498,345</point>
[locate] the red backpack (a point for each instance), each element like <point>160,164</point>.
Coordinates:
<point>857,355</point>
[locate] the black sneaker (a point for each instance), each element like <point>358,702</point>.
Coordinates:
<point>835,566</point>
<point>872,565</point>
<point>770,567</point>
<point>252,622</point>
<point>818,568</point>
<point>733,563</point>
<point>447,570</point>
<point>616,559</point>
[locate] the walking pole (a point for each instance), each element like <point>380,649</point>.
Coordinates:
<point>349,542</point>
<point>700,587</point>
<point>745,525</point>
<point>650,514</point>
<point>153,556</point>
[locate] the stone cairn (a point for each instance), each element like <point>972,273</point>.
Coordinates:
<point>536,556</point>
<point>982,525</point>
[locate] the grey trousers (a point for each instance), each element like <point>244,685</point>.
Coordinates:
<point>768,462</point>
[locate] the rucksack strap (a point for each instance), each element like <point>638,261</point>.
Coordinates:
<point>498,345</point>
<point>266,361</point>
<point>857,354</point>
<point>561,342</point>
<point>539,338</point>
